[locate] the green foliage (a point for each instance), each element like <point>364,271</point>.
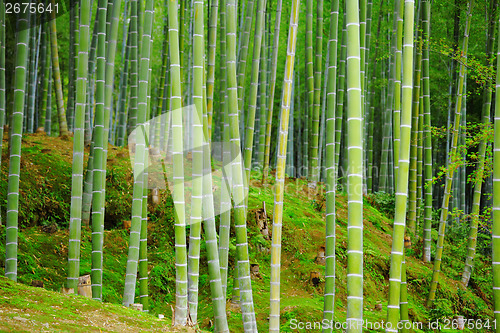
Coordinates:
<point>162,282</point>
<point>442,309</point>
<point>384,202</point>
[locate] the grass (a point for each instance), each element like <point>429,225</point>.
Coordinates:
<point>42,256</point>
<point>25,308</point>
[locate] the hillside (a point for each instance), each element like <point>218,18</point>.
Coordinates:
<point>44,203</point>
<point>24,308</point>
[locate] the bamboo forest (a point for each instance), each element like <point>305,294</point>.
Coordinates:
<point>246,165</point>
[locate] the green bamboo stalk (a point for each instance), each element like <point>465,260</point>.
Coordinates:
<point>225,205</point>
<point>316,103</point>
<point>330,177</point>
<point>181,284</point>
<point>78,148</point>
<point>140,160</point>
<point>197,162</point>
<point>20,76</point>
<point>237,174</point>
<point>122,98</point>
<point>369,103</point>
<point>45,72</point>
<point>90,90</point>
<point>146,50</point>
<point>33,70</point>
<point>214,271</point>
<point>272,84</point>
<point>63,126</point>
<point>420,160</point>
<point>427,134</point>
<point>2,77</point>
<point>48,114</point>
<point>252,101</point>
<point>72,65</point>
<point>397,251</point>
<point>98,158</point>
<point>97,247</point>
<point>384,183</point>
<point>496,196</point>
<point>212,48</point>
<point>354,172</point>
<point>397,86</point>
<point>89,137</point>
<point>263,102</point>
<point>274,312</point>
<point>403,303</point>
<point>362,51</point>
<point>340,93</point>
<point>309,68</point>
<point>87,187</point>
<point>290,167</point>
<point>452,158</point>
<point>476,199</point>
<point>242,60</point>
<point>133,75</point>
<point>322,124</point>
<point>412,199</point>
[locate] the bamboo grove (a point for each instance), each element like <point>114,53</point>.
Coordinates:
<point>345,94</point>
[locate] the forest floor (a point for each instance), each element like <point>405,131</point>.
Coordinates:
<point>43,238</point>
<point>29,309</point>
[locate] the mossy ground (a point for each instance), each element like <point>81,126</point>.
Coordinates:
<point>45,179</point>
